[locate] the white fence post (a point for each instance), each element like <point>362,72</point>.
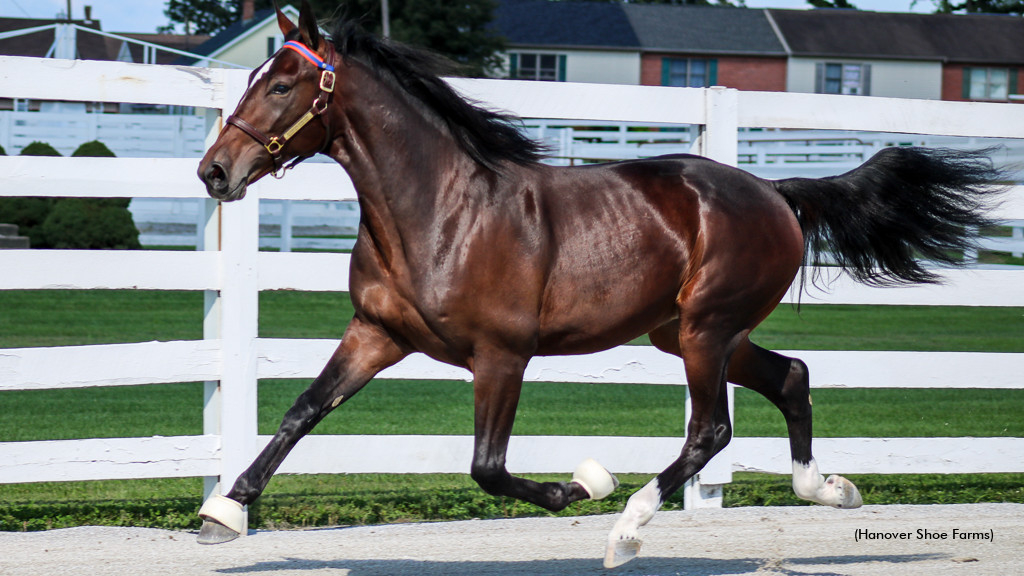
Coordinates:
<point>239,309</point>
<point>718,140</point>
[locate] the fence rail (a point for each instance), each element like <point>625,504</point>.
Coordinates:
<point>232,271</point>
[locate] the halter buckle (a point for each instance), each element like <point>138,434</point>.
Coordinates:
<point>327,81</point>
<point>274,146</point>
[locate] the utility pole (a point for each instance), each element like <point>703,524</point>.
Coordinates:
<point>69,10</point>
<point>385,18</point>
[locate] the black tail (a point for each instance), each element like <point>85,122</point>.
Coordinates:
<point>901,206</point>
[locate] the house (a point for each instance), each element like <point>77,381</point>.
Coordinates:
<point>617,43</point>
<point>930,56</point>
<point>948,57</point>
<point>248,42</point>
<point>83,40</point>
<point>700,46</point>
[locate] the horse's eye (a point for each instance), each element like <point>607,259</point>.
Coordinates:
<point>280,89</point>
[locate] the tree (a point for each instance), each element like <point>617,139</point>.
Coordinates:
<point>1014,7</point>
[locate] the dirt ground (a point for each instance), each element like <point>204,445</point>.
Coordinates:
<point>975,539</point>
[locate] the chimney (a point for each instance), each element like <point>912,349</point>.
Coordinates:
<point>248,11</point>
<point>88,14</point>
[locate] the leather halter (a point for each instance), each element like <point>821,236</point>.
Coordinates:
<point>275,144</point>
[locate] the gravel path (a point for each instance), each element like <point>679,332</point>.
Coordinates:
<point>786,541</point>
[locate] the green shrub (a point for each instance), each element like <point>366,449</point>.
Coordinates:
<point>91,223</point>
<point>29,213</point>
<point>39,149</point>
<point>93,149</point>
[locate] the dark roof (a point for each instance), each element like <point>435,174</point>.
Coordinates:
<point>652,27</point>
<point>541,23</point>
<point>713,29</point>
<point>90,46</point>
<point>973,38</point>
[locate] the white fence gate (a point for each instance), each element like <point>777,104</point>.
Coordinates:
<point>232,271</point>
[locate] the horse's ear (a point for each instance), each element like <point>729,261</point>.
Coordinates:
<point>283,22</point>
<point>308,27</point>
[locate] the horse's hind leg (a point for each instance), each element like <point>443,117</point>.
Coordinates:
<point>784,381</point>
<point>364,351</point>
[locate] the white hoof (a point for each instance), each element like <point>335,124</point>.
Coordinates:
<point>224,511</point>
<point>841,493</point>
<point>595,479</point>
<point>621,551</point>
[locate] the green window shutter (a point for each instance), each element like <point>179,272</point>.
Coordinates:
<point>666,71</point>
<point>561,67</point>
<point>1013,82</point>
<point>967,84</point>
<point>513,65</point>
<point>713,72</point>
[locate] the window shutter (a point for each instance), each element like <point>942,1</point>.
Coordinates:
<point>967,84</point>
<point>713,72</point>
<point>1012,84</point>
<point>271,46</point>
<point>666,71</point>
<point>865,79</point>
<point>819,78</point>
<point>513,65</point>
<point>561,67</point>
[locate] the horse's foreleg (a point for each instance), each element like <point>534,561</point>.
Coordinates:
<point>498,380</point>
<point>708,432</point>
<point>784,381</point>
<point>364,351</point>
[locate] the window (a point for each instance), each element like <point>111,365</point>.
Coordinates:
<point>537,66</point>
<point>835,78</point>
<point>989,83</point>
<point>274,44</point>
<point>689,72</point>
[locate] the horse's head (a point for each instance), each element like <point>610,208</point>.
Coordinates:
<point>280,118</point>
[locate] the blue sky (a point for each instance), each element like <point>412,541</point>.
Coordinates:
<point>147,15</point>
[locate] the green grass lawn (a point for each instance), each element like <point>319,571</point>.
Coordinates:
<point>57,318</point>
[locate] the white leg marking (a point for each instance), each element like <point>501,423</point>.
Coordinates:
<point>835,491</point>
<point>624,541</point>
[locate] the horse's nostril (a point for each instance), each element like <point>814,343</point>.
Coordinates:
<point>215,174</point>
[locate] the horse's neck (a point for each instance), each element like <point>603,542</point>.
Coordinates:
<point>398,158</point>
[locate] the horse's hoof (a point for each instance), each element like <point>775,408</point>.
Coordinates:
<point>621,551</point>
<point>847,494</point>
<point>595,479</point>
<point>214,532</point>
<point>223,520</point>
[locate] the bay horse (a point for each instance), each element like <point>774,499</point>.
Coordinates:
<point>473,252</point>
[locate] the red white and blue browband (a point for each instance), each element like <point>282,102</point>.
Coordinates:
<point>309,55</point>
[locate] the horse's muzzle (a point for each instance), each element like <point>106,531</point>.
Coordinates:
<point>218,182</point>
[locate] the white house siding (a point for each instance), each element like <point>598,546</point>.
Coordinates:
<point>602,67</point>
<point>599,67</point>
<point>892,78</point>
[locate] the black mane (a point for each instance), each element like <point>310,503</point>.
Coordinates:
<point>488,137</point>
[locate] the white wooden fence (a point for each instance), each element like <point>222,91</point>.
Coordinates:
<point>232,272</point>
